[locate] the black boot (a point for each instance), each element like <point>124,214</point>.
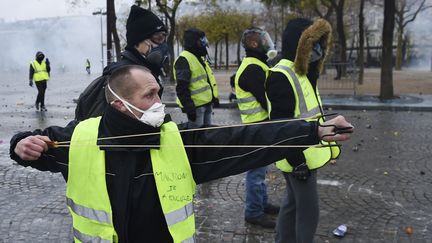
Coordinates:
<point>271,209</point>
<point>263,221</point>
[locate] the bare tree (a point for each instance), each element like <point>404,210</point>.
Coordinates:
<point>386,89</point>
<point>339,5</point>
<point>112,32</point>
<point>406,12</point>
<point>170,10</point>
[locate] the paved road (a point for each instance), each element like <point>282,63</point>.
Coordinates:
<point>380,185</point>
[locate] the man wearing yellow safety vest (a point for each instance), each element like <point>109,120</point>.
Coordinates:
<point>292,92</point>
<point>252,103</point>
<point>130,173</point>
<point>39,73</point>
<point>196,85</point>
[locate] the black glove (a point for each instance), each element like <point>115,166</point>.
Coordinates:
<point>30,83</point>
<point>301,172</point>
<point>216,102</point>
<point>191,116</point>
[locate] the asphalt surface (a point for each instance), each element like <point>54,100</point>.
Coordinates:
<point>380,185</point>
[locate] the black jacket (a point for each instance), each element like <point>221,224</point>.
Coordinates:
<point>183,76</point>
<point>253,78</point>
<point>92,101</point>
<point>131,186</point>
<point>297,40</point>
<point>132,57</point>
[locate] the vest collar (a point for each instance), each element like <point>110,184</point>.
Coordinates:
<point>260,56</point>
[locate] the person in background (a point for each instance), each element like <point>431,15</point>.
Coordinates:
<point>88,66</point>
<point>40,74</point>
<point>252,103</point>
<point>146,46</point>
<point>196,89</point>
<point>232,95</point>
<point>293,93</point>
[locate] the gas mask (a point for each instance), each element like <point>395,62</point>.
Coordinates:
<point>153,116</point>
<point>317,53</point>
<point>268,46</point>
<point>202,49</point>
<point>157,55</point>
<point>265,43</point>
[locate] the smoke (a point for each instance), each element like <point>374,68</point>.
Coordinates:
<point>420,35</point>
<point>66,41</point>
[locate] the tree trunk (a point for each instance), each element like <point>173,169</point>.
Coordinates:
<point>226,52</point>
<point>361,43</point>
<point>220,55</point>
<point>399,58</point>
<point>116,36</point>
<point>215,55</point>
<point>170,42</point>
<point>341,34</point>
<point>386,90</point>
<point>110,27</point>
<point>238,52</point>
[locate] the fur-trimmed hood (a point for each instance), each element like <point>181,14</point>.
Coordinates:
<point>298,39</point>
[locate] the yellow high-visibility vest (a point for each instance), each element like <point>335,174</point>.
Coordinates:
<point>40,71</point>
<point>308,104</point>
<point>202,92</point>
<point>250,109</point>
<point>87,195</point>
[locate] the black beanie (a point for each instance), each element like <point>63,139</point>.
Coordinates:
<point>39,53</point>
<point>291,36</point>
<point>142,24</point>
<point>190,38</point>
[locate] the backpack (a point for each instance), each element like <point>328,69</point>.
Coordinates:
<point>92,101</point>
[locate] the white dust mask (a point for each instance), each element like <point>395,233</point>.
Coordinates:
<point>153,116</point>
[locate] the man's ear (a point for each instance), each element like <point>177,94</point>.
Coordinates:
<point>118,105</point>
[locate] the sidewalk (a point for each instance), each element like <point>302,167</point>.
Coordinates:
<point>412,88</point>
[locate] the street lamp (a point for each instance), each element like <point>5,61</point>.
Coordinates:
<point>100,12</point>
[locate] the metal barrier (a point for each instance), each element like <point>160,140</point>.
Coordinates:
<point>339,78</point>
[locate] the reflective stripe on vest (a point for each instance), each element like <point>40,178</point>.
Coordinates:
<point>90,213</point>
<point>88,238</point>
<point>198,91</point>
<point>304,112</point>
<point>202,83</point>
<point>199,78</point>
<point>315,157</point>
<point>179,214</point>
<point>40,71</point>
<point>87,195</point>
<point>250,109</point>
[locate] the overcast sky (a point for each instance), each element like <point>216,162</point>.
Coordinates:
<point>12,10</point>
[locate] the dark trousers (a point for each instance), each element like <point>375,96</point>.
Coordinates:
<point>41,87</point>
<point>299,213</point>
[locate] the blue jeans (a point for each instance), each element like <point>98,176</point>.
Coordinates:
<point>203,117</point>
<point>256,192</point>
